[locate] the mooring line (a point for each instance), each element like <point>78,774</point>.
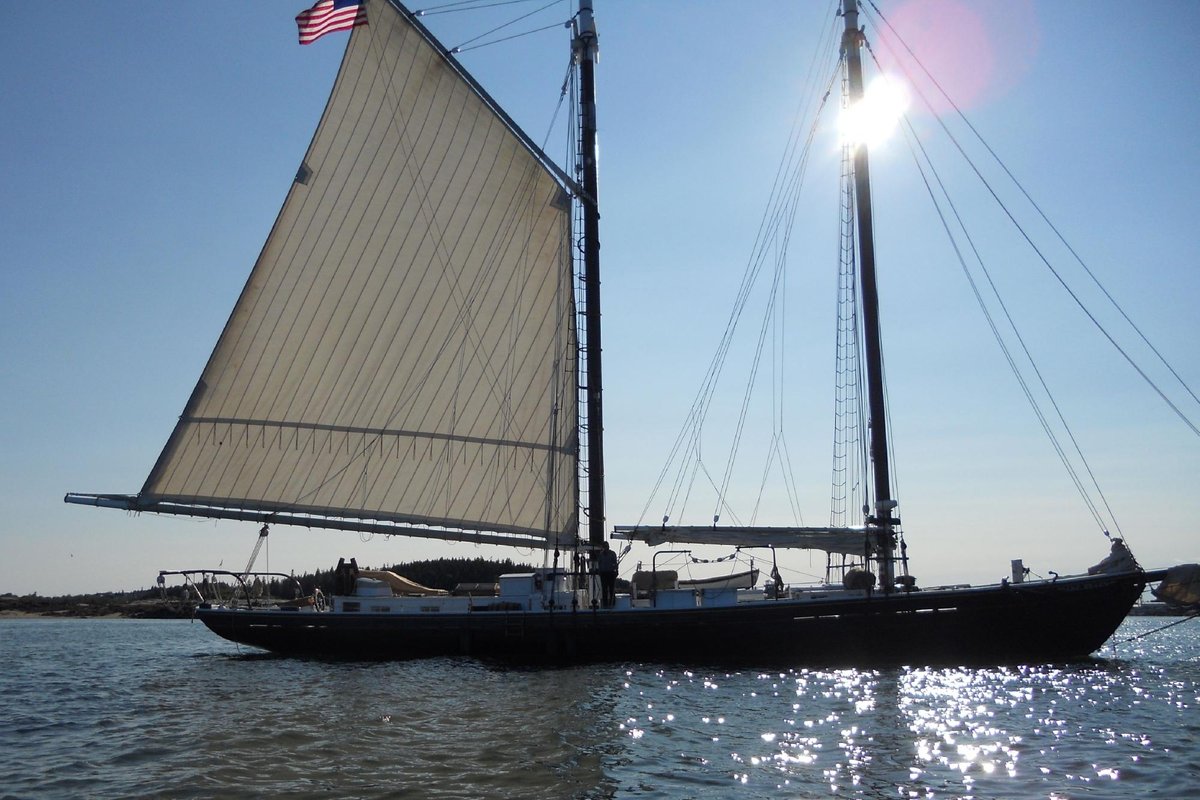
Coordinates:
<point>1156,630</point>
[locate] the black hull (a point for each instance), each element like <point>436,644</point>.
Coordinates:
<point>1033,622</point>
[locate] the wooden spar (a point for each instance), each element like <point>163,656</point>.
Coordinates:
<point>585,51</point>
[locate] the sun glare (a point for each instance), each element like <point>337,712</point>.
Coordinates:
<point>873,119</point>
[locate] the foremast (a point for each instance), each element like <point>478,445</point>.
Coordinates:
<point>883,520</point>
<point>586,50</point>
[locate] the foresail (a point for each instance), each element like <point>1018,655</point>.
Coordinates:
<point>404,349</point>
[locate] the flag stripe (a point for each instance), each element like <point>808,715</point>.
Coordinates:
<point>328,16</point>
<point>313,28</point>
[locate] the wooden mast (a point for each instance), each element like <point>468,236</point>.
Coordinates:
<point>884,503</point>
<point>586,51</point>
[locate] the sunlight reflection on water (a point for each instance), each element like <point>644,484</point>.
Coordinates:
<point>1106,728</point>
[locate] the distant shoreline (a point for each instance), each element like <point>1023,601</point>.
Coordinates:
<point>103,606</point>
<point>1156,610</point>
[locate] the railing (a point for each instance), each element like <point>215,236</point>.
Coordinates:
<point>208,589</point>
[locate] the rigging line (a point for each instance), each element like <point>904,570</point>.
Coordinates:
<point>465,5</point>
<point>765,232</point>
<point>514,21</point>
<point>772,453</point>
<point>687,439</point>
<point>847,349</point>
<point>756,363</point>
<point>778,319</point>
<point>562,99</point>
<point>861,407</point>
<point>1028,355</point>
<point>723,505</point>
<point>771,222</point>
<point>893,472</point>
<point>858,469</point>
<point>790,482</point>
<point>749,392</point>
<point>995,330</point>
<point>461,49</point>
<point>1038,208</point>
<point>850,418</point>
<point>911,137</point>
<point>893,475</point>
<point>785,468</point>
<point>854,346</point>
<point>848,426</point>
<point>775,305</point>
<point>1129,359</point>
<point>1012,365</point>
<point>709,385</point>
<point>697,465</point>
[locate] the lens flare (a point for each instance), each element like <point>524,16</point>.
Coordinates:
<point>873,119</point>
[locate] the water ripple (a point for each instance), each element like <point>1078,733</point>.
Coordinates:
<point>114,708</point>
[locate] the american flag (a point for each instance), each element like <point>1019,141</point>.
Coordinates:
<point>328,16</point>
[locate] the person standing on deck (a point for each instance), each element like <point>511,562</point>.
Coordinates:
<point>607,568</point>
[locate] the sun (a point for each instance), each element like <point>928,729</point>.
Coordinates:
<point>872,120</point>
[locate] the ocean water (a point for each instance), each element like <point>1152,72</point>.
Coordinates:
<point>125,708</point>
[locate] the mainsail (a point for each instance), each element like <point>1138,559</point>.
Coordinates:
<point>404,349</point>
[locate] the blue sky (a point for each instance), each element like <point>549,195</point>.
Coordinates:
<point>146,148</point>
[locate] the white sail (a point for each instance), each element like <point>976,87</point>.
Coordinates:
<point>404,349</point>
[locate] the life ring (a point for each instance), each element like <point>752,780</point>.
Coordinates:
<point>319,600</point>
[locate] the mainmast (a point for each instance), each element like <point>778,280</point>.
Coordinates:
<point>586,48</point>
<point>884,503</point>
